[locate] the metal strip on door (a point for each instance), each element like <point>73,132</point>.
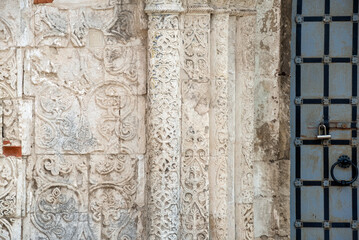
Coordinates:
<point>324,90</point>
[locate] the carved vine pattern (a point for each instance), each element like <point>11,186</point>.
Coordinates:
<point>195,143</point>
<point>220,114</point>
<point>164,126</point>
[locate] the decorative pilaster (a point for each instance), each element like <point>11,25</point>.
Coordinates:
<point>164,132</point>
<point>219,136</point>
<point>195,80</point>
<point>244,148</point>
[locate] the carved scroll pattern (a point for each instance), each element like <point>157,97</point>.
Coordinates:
<point>219,154</point>
<point>60,204</point>
<point>11,172</point>
<point>96,202</point>
<point>77,111</point>
<point>8,66</point>
<point>112,196</point>
<point>195,126</point>
<point>196,47</point>
<point>164,126</point>
<point>245,195</point>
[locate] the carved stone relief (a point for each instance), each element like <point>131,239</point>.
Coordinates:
<point>164,126</point>
<point>195,127</point>
<point>86,77</point>
<point>11,197</point>
<point>219,132</point>
<point>120,110</point>
<point>82,93</point>
<point>245,133</point>
<point>8,63</point>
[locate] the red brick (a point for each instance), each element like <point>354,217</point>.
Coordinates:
<point>42,1</point>
<point>6,142</point>
<point>12,151</point>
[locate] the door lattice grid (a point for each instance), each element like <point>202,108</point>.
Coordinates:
<point>326,184</point>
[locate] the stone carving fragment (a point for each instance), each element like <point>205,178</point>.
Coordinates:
<point>11,197</point>
<point>122,26</point>
<point>8,64</point>
<point>196,44</point>
<point>51,27</point>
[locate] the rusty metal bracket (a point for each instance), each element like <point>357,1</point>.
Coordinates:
<point>342,125</point>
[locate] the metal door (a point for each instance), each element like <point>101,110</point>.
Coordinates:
<point>324,202</point>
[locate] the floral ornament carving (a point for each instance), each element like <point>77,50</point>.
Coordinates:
<point>8,205</point>
<point>119,168</point>
<point>111,206</point>
<point>8,66</point>
<point>112,195</point>
<point>195,125</point>
<point>5,230</point>
<point>11,170</point>
<point>8,175</point>
<point>8,76</point>
<point>56,214</point>
<point>248,221</point>
<point>196,44</point>
<point>246,134</point>
<point>164,126</point>
<point>58,125</point>
<point>194,178</point>
<point>62,169</point>
<point>10,119</point>
<point>221,135</point>
<point>117,121</point>
<point>110,105</point>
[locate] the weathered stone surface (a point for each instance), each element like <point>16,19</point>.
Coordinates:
<point>144,119</point>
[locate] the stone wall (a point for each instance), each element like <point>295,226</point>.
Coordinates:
<point>133,119</point>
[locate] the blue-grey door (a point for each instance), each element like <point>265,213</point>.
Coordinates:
<point>324,100</point>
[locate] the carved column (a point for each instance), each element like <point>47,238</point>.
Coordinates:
<point>195,80</point>
<point>164,132</point>
<point>219,136</point>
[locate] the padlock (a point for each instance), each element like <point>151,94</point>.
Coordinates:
<point>324,135</point>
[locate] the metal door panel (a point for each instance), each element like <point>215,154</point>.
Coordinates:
<point>312,163</point>
<point>313,8</point>
<point>340,204</point>
<point>313,234</point>
<point>324,91</point>
<point>340,234</point>
<point>312,80</point>
<point>341,7</point>
<point>313,39</point>
<point>340,80</point>
<point>341,44</point>
<point>312,211</point>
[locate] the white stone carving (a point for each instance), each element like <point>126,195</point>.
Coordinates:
<point>219,132</point>
<point>164,134</point>
<point>195,127</point>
